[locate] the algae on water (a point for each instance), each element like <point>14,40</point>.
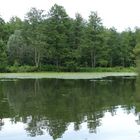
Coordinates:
<point>64,75</point>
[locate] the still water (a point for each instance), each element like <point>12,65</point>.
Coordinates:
<point>49,109</point>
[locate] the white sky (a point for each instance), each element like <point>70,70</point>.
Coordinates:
<point>118,13</point>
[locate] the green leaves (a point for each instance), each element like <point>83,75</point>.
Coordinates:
<point>56,40</point>
<point>15,48</point>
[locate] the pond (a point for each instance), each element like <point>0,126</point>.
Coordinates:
<point>60,109</point>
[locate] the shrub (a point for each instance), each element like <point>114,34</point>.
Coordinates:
<point>22,68</point>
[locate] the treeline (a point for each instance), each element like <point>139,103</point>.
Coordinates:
<point>56,42</point>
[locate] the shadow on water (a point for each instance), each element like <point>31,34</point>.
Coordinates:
<point>51,104</point>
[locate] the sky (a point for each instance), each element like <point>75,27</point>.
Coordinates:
<point>120,14</point>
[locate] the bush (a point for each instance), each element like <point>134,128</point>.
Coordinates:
<point>22,69</point>
<point>3,68</point>
<point>108,69</point>
<point>70,67</point>
<point>48,68</point>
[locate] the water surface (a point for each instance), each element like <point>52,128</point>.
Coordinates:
<point>40,109</point>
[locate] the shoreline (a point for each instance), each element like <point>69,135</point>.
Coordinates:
<point>64,75</point>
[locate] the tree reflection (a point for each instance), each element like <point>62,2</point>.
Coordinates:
<point>51,104</point>
<point>137,95</point>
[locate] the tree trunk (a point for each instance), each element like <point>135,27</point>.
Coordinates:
<point>57,64</point>
<point>37,58</point>
<point>94,57</point>
<point>92,63</point>
<point>123,62</point>
<point>111,62</point>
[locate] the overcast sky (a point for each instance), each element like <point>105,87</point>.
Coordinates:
<point>118,13</point>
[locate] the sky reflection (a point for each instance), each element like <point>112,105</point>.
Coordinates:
<point>121,126</point>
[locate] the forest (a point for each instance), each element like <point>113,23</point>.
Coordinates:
<point>53,41</point>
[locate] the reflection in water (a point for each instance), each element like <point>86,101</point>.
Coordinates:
<point>55,107</point>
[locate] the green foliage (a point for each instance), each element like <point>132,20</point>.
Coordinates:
<point>56,42</point>
<point>21,69</point>
<point>137,50</point>
<point>15,23</point>
<point>34,34</point>
<point>3,56</point>
<point>94,38</point>
<point>58,31</point>
<point>69,68</point>
<point>15,48</point>
<point>108,69</point>
<point>52,68</point>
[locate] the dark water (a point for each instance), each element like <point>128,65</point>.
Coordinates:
<point>107,109</point>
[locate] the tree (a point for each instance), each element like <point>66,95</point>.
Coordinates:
<point>79,26</point>
<point>78,36</point>
<point>75,39</point>
<point>113,43</point>
<point>15,48</point>
<point>3,37</point>
<point>56,41</point>
<point>127,46</point>
<point>137,49</point>
<point>34,34</point>
<point>15,23</point>
<point>58,30</point>
<point>2,29</point>
<point>3,56</point>
<point>94,38</point>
